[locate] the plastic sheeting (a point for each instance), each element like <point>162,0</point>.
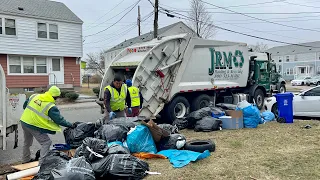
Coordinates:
<point>120,166</point>
<point>75,169</point>
<point>181,158</point>
<point>74,137</point>
<point>139,139</point>
<point>110,132</point>
<point>208,124</point>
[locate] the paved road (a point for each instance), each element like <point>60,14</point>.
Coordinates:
<point>82,114</point>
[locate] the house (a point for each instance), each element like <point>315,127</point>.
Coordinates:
<point>173,29</point>
<point>297,60</point>
<point>40,44</point>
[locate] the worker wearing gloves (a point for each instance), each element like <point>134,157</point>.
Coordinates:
<point>136,99</point>
<point>116,96</point>
<point>40,118</point>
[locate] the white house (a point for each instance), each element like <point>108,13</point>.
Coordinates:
<point>40,44</point>
<point>173,29</point>
<point>297,60</point>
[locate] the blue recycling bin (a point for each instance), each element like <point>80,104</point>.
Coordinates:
<point>285,107</point>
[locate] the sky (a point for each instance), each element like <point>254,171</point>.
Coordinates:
<point>100,15</point>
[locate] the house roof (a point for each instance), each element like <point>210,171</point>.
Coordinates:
<point>309,47</point>
<point>42,9</point>
<point>145,37</point>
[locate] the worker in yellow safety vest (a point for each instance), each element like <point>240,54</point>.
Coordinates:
<point>116,96</point>
<point>136,99</point>
<point>40,118</point>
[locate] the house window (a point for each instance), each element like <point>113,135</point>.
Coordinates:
<point>0,25</point>
<point>42,30</point>
<point>10,27</point>
<point>291,71</point>
<point>15,64</point>
<point>53,31</point>
<point>41,64</point>
<point>287,58</point>
<point>27,65</point>
<point>48,31</point>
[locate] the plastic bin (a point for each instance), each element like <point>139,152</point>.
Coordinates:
<point>285,108</point>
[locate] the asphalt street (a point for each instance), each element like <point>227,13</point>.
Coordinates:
<point>85,114</point>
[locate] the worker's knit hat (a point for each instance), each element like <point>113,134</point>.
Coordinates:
<point>129,82</point>
<point>54,91</point>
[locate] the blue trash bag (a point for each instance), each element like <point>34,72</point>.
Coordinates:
<point>268,116</point>
<point>251,116</point>
<point>141,140</point>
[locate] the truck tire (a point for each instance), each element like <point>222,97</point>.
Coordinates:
<point>259,98</point>
<point>178,108</point>
<point>200,146</point>
<point>282,88</point>
<point>200,102</point>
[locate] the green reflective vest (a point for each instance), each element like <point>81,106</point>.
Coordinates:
<point>135,96</point>
<point>118,100</point>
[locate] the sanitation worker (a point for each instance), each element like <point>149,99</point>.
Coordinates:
<point>136,99</point>
<point>116,96</point>
<point>40,118</point>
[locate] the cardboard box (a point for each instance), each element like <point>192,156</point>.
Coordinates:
<point>70,152</point>
<point>232,120</point>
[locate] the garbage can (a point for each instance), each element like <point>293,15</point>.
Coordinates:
<point>285,108</point>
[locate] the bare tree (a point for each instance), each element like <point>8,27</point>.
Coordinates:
<point>95,62</point>
<point>201,22</point>
<point>259,47</point>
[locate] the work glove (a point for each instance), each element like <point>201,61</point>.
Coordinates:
<point>74,125</point>
<point>112,115</point>
<point>129,110</point>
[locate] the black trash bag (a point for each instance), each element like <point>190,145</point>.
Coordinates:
<point>126,123</point>
<point>98,146</point>
<point>51,160</point>
<point>170,129</point>
<point>74,137</point>
<point>120,166</point>
<point>174,141</point>
<point>181,123</point>
<point>225,106</point>
<point>118,149</point>
<point>110,133</point>
<point>195,116</point>
<point>75,169</point>
<point>208,124</point>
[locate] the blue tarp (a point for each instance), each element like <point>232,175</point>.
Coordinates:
<point>181,158</point>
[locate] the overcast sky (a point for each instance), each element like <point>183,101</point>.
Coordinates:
<point>101,14</point>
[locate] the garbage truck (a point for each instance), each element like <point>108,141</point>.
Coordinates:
<point>11,108</point>
<point>181,73</point>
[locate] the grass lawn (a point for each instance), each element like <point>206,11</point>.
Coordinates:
<point>88,91</point>
<point>272,151</point>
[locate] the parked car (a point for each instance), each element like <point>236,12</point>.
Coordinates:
<point>300,81</point>
<point>315,80</point>
<point>306,103</point>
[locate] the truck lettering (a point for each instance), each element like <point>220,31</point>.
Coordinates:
<point>223,64</point>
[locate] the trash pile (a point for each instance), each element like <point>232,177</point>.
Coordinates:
<point>117,150</point>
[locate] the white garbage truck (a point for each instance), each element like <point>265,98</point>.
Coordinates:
<point>11,108</point>
<point>181,73</point>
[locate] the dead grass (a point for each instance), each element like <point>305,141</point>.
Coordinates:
<point>91,85</point>
<point>86,91</point>
<point>272,151</point>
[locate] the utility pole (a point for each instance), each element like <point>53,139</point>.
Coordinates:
<point>139,21</point>
<point>155,24</point>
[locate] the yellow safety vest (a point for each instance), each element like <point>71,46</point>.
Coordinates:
<point>36,112</point>
<point>135,96</point>
<point>118,101</point>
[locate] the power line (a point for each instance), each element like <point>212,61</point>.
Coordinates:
<point>249,35</point>
<point>301,5</point>
<point>306,29</point>
<point>116,21</point>
<point>106,13</point>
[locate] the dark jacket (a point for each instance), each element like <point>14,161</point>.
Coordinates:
<point>107,97</point>
<point>55,116</point>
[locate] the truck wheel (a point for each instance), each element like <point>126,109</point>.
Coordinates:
<point>259,98</point>
<point>178,108</point>
<point>282,88</point>
<point>200,102</point>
